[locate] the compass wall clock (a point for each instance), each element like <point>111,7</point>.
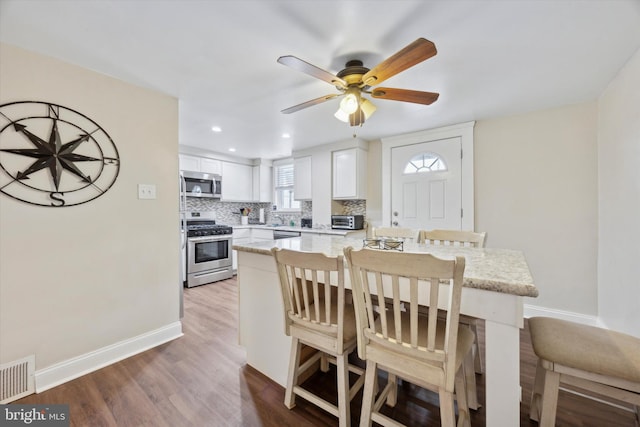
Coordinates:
<point>51,155</point>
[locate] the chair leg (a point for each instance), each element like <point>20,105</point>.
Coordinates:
<point>392,397</point>
<point>536,395</point>
<point>470,376</point>
<point>292,377</point>
<point>478,365</point>
<point>324,363</point>
<point>549,399</point>
<point>368,394</point>
<point>344,413</point>
<point>447,410</point>
<point>464,419</point>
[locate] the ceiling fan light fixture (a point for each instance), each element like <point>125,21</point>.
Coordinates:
<point>341,115</point>
<point>367,108</point>
<point>350,102</point>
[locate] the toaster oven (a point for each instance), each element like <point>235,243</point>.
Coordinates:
<point>347,222</point>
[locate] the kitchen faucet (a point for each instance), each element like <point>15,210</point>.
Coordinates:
<point>278,217</point>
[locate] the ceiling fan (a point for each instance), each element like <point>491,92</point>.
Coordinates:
<point>355,80</point>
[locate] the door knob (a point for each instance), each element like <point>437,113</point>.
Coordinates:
<point>395,223</point>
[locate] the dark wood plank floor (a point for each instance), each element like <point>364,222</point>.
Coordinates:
<point>201,380</point>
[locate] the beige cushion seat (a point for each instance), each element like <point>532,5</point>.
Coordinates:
<point>590,358</point>
<point>348,322</point>
<point>465,337</point>
<point>587,348</point>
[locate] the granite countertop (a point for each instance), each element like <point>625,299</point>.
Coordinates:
<point>299,229</point>
<point>498,270</point>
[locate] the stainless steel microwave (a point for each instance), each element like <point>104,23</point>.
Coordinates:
<point>199,184</point>
<point>347,222</point>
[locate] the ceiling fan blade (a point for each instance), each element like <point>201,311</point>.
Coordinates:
<point>411,55</point>
<point>405,95</point>
<point>309,103</point>
<point>310,69</point>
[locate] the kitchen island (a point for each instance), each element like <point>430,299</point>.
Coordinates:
<point>495,283</point>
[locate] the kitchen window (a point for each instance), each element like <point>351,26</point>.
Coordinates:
<point>283,183</point>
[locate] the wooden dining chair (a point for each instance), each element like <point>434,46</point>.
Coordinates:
<point>452,237</point>
<point>424,350</point>
<point>465,239</point>
<point>315,315</point>
<point>394,232</point>
<point>589,358</point>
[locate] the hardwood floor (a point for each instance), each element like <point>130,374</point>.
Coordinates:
<point>201,380</point>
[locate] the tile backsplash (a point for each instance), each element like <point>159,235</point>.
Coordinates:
<point>229,212</point>
<point>353,207</point>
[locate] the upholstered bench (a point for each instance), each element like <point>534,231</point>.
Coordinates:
<point>603,361</point>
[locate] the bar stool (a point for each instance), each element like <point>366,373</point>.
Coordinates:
<point>424,350</point>
<point>587,357</point>
<point>316,315</point>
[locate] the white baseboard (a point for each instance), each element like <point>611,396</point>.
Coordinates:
<point>76,367</point>
<point>533,311</point>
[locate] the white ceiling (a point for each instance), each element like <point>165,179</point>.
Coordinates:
<point>495,58</point>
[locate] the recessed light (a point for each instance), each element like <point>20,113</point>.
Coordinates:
<point>286,135</point>
<point>232,149</point>
<point>216,129</point>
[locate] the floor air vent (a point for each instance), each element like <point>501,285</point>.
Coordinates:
<point>17,379</point>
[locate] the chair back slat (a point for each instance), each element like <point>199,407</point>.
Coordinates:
<point>397,306</point>
<point>413,312</point>
<point>434,294</point>
<point>386,290</point>
<point>327,297</point>
<point>452,238</point>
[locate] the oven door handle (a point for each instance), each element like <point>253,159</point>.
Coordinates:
<point>213,238</point>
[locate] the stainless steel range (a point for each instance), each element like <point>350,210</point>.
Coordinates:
<point>208,252</point>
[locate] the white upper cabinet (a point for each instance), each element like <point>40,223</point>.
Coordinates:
<point>350,174</point>
<point>210,166</point>
<point>199,164</point>
<point>237,182</point>
<point>302,178</point>
<point>262,183</point>
<point>189,163</point>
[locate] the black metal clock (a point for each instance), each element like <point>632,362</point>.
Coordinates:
<point>51,155</point>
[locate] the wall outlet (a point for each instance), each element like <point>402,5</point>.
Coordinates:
<point>146,191</point>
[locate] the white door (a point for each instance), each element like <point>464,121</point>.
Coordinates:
<point>426,185</point>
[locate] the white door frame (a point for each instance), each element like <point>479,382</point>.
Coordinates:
<point>465,132</point>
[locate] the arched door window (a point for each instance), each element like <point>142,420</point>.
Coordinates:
<point>425,162</point>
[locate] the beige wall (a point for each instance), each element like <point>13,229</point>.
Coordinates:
<point>536,191</point>
<point>77,279</point>
<point>619,192</point>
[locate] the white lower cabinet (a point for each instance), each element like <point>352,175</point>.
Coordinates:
<point>247,235</point>
<point>261,234</point>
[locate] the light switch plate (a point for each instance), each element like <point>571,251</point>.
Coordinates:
<point>146,191</point>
